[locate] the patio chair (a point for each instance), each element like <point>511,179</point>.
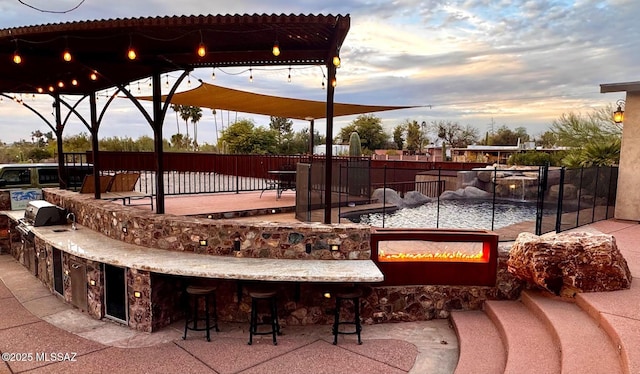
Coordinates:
<point>123,188</point>
<point>89,186</point>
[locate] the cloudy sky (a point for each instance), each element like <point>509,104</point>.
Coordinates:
<point>485,63</point>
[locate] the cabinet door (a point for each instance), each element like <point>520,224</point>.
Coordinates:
<point>58,283</point>
<point>78,275</point>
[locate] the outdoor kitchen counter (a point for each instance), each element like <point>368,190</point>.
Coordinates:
<point>94,246</point>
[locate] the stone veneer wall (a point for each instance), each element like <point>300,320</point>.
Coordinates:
<point>161,300</point>
<point>180,233</point>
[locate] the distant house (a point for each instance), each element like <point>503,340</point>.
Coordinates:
<point>494,154</point>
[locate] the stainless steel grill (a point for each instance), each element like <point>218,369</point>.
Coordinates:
<point>43,213</point>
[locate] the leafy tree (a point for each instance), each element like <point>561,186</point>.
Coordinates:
<point>369,128</point>
<point>398,138</point>
<point>38,154</point>
<point>244,137</point>
<point>594,138</point>
<point>283,128</point>
<point>414,136</point>
<point>506,136</point>
<point>453,134</point>
<point>548,139</point>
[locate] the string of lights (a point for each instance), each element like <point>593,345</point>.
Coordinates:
<point>52,11</point>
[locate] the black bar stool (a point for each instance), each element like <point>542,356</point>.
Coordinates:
<point>353,294</point>
<point>192,305</point>
<point>268,295</point>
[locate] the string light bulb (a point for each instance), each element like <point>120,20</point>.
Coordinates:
<point>334,82</point>
<point>61,84</point>
<point>289,76</point>
<point>40,90</point>
<point>276,48</point>
<point>189,80</point>
<point>74,82</point>
<point>131,53</point>
<point>166,83</point>
<point>93,76</point>
<point>213,74</point>
<point>336,61</point>
<point>139,87</point>
<point>250,75</point>
<point>66,55</point>
<point>202,50</point>
<point>17,59</point>
<point>51,88</point>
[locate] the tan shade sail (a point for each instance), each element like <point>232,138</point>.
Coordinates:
<point>216,97</point>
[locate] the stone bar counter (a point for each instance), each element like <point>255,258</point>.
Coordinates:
<point>156,256</point>
<point>163,253</point>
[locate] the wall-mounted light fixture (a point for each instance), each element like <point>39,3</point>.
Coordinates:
<point>236,244</point>
<point>335,247</point>
<point>327,295</point>
<point>125,230</point>
<point>618,115</point>
<point>307,248</point>
<point>137,294</point>
<point>203,242</point>
<point>92,282</point>
<point>336,61</point>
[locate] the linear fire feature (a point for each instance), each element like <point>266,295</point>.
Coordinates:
<point>435,256</point>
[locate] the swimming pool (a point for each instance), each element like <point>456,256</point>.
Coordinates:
<point>459,214</point>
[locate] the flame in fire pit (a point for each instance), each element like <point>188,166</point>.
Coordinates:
<point>437,256</point>
<point>415,250</point>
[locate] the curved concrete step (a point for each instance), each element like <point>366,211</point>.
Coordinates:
<point>585,347</point>
<point>530,346</point>
<point>481,348</point>
<point>618,314</point>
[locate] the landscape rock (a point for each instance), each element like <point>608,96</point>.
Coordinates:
<point>415,198</point>
<point>465,193</point>
<point>387,196</point>
<point>567,263</point>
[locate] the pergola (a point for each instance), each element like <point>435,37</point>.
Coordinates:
<point>83,58</point>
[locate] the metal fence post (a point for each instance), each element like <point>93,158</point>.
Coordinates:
<point>384,193</point>
<point>595,195</point>
<point>493,204</point>
<point>559,205</point>
<point>438,201</point>
<point>237,176</point>
<point>542,187</point>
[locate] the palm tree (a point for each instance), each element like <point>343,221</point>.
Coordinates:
<point>176,108</point>
<point>195,113</point>
<point>215,123</point>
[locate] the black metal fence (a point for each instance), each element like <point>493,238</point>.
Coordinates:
<point>576,197</point>
<point>509,201</point>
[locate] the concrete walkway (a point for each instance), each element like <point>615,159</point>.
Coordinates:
<point>41,331</point>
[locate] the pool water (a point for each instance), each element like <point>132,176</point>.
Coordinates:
<point>459,214</point>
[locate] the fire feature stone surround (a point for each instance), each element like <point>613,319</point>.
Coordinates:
<point>159,304</point>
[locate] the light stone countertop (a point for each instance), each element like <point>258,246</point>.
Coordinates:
<point>90,245</point>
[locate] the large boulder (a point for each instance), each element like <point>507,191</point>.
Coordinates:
<point>387,196</point>
<point>465,193</point>
<point>567,263</point>
<point>415,198</point>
